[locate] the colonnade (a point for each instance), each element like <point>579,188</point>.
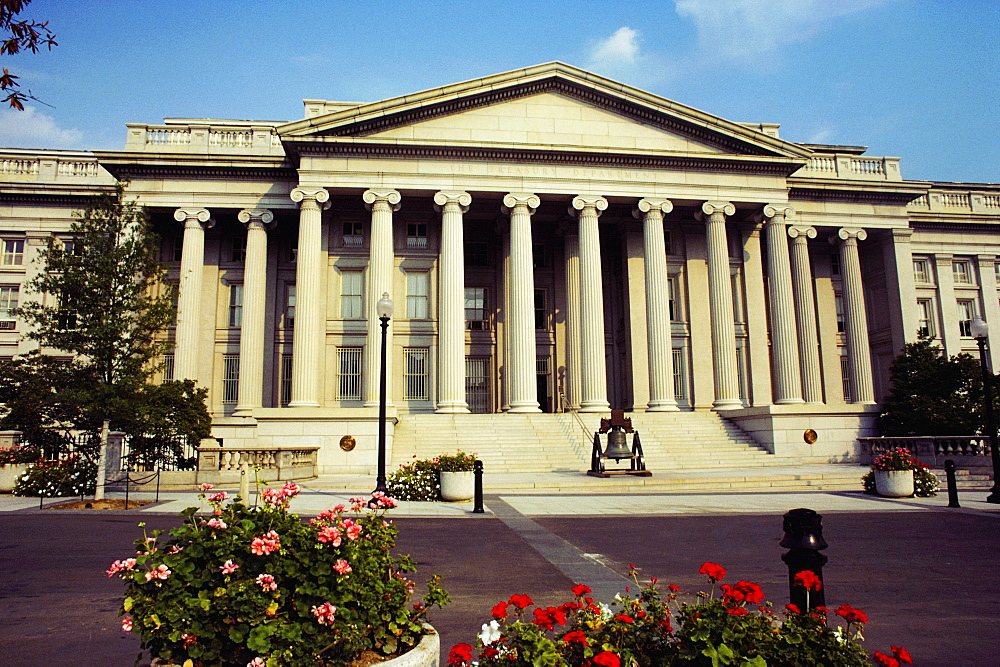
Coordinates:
<point>792,312</point>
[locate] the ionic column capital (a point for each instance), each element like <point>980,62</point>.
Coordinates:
<point>390,197</point>
<point>319,197</point>
<point>445,197</point>
<point>194,216</point>
<point>649,204</point>
<point>710,208</point>
<point>582,202</point>
<point>256,216</point>
<point>526,199</point>
<point>848,233</point>
<point>802,232</point>
<point>775,210</point>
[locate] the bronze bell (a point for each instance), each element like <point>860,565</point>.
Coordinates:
<point>617,447</point>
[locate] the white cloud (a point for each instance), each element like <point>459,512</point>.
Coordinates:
<point>621,48</point>
<point>821,136</point>
<point>32,128</point>
<point>737,29</point>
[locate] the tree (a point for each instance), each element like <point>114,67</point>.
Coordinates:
<point>17,36</point>
<point>932,394</point>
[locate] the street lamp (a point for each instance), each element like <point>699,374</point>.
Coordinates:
<point>384,310</point>
<point>980,331</point>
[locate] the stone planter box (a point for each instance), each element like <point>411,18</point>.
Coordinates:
<point>894,483</point>
<point>457,486</point>
<point>9,474</point>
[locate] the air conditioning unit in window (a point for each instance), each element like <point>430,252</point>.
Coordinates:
<point>7,325</point>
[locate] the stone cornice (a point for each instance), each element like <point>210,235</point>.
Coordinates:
<point>153,165</point>
<point>881,193</point>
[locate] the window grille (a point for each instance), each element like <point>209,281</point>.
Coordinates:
<point>416,376</point>
<point>168,367</point>
<point>351,303</point>
<point>680,376</point>
<point>477,387</point>
<point>845,379</point>
<point>286,379</point>
<point>350,374</point>
<point>230,378</point>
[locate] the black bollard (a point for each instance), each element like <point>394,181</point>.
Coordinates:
<point>477,472</point>
<point>804,539</point>
<point>949,469</point>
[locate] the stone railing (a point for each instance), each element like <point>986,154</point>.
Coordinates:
<point>27,166</point>
<point>854,167</point>
<point>968,451</point>
<point>218,464</point>
<point>208,138</point>
<point>958,201</point>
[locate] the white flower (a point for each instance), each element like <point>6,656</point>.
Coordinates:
<point>490,633</point>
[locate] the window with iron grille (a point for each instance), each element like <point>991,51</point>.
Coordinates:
<point>351,306</point>
<point>477,384</point>
<point>350,373</point>
<point>416,378</point>
<point>8,301</point>
<point>680,375</point>
<point>285,390</point>
<point>475,308</point>
<point>845,378</point>
<point>353,234</point>
<point>416,235</point>
<point>238,250</point>
<point>417,294</point>
<point>168,367</point>
<point>230,378</point>
<point>236,305</point>
<point>13,252</point>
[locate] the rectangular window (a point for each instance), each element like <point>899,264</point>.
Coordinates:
<point>69,246</point>
<point>289,305</point>
<point>845,379</point>
<point>236,305</point>
<point>476,254</point>
<point>671,284</point>
<point>353,234</point>
<point>668,242</point>
<point>13,252</point>
<point>475,308</point>
<point>961,269</point>
<point>966,313</point>
<point>925,317</point>
<point>350,374</point>
<point>417,295</point>
<point>351,307</point>
<point>416,235</point>
<point>541,313</point>
<point>286,379</point>
<point>838,301</point>
<point>680,376</point>
<point>835,263</point>
<point>416,380</point>
<point>168,367</point>
<point>8,301</point>
<point>230,378</point>
<point>66,316</point>
<point>920,273</point>
<point>538,256</point>
<point>178,249</point>
<point>477,384</point>
<point>238,251</point>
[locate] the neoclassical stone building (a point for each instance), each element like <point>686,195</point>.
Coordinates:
<point>552,240</point>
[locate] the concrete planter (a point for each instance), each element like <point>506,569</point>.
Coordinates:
<point>9,474</point>
<point>894,483</point>
<point>458,485</point>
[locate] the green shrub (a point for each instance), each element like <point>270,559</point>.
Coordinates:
<point>925,483</point>
<point>75,476</point>
<point>417,480</point>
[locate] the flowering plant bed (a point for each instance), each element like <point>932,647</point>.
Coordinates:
<point>896,459</point>
<point>17,455</point>
<point>257,586</point>
<point>420,479</point>
<point>73,476</point>
<point>925,483</point>
<point>648,629</point>
<point>458,462</point>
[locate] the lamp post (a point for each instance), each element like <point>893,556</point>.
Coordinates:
<point>980,331</point>
<point>384,310</point>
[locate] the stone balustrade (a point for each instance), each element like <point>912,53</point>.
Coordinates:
<point>208,138</point>
<point>222,465</point>
<point>853,167</point>
<point>42,166</point>
<point>968,451</point>
<point>957,201</point>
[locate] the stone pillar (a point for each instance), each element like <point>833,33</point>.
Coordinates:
<point>381,203</point>
<point>594,375</point>
<point>307,341</point>
<point>720,297</point>
<point>991,307</point>
<point>658,325</point>
<point>195,220</point>
<point>858,351</point>
<point>522,392</point>
<point>451,303</point>
<point>805,314</point>
<point>571,247</point>
<point>784,343</point>
<point>898,259</point>
<point>251,386</point>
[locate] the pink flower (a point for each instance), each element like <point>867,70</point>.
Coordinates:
<point>158,572</point>
<point>324,613</point>
<point>229,567</point>
<point>351,529</point>
<point>339,509</point>
<point>329,534</point>
<point>217,523</point>
<point>266,582</point>
<point>342,566</point>
<point>256,662</point>
<point>291,489</point>
<point>121,565</point>
<point>382,501</point>
<point>218,497</point>
<point>207,487</point>
<point>127,624</point>
<point>265,544</point>
<point>188,639</point>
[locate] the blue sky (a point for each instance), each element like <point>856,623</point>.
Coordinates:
<point>917,79</point>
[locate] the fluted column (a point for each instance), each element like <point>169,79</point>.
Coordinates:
<point>195,220</point>
<point>805,313</point>
<point>381,203</point>
<point>658,337</point>
<point>451,303</point>
<point>594,375</point>
<point>784,342</point>
<point>522,391</point>
<point>251,386</point>
<point>571,245</point>
<point>720,298</point>
<point>307,341</point>
<point>858,351</point>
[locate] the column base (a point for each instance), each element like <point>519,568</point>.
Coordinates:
<point>245,410</point>
<point>727,404</point>
<point>663,406</point>
<point>369,404</point>
<point>452,408</point>
<point>523,407</point>
<point>304,404</point>
<point>595,406</point>
<point>789,401</point>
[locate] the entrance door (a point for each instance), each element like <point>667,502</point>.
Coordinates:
<point>542,374</point>
<point>477,388</point>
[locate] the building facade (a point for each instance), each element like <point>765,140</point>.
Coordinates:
<point>552,241</point>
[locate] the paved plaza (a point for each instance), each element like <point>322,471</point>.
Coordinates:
<point>924,573</point>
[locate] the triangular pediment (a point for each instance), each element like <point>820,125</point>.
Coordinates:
<point>548,106</point>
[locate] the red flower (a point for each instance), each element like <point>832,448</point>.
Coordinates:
<point>712,571</point>
<point>674,588</point>
<point>460,654</point>
<point>902,654</point>
<point>547,618</point>
<point>606,659</point>
<point>822,610</point>
<point>489,652</point>
<point>500,610</point>
<point>580,590</point>
<point>624,618</point>
<point>743,591</point>
<point>521,601</point>
<point>737,611</point>
<point>808,580</point>
<point>883,659</point>
<point>576,637</point>
<point>851,615</point>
